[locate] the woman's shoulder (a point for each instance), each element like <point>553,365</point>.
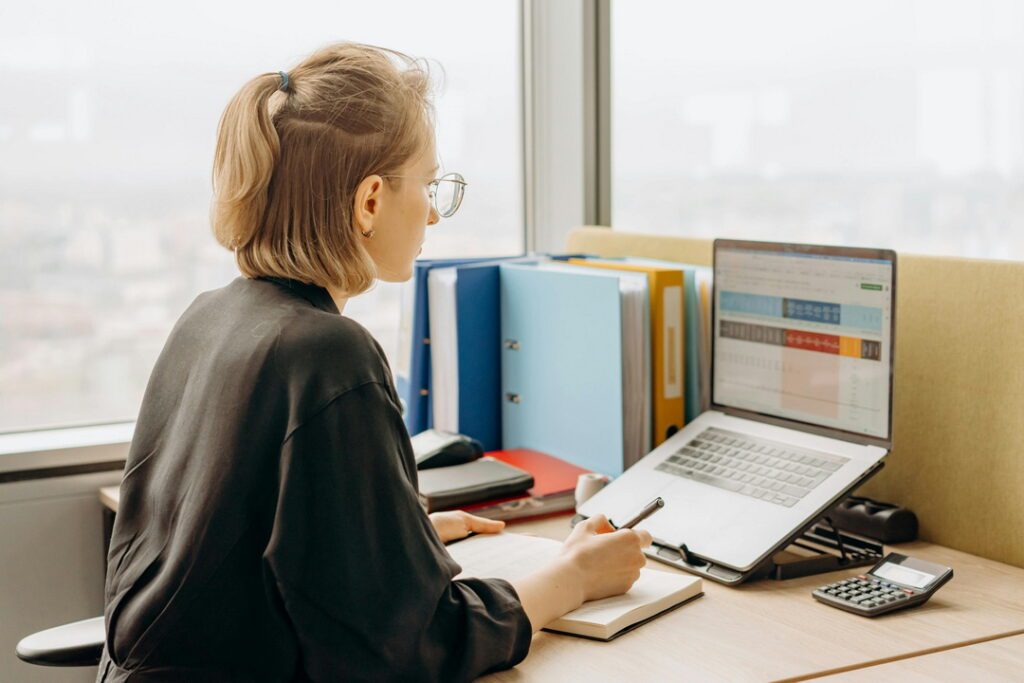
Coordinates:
<point>317,336</point>
<point>332,348</point>
<point>320,358</point>
<point>305,349</point>
<point>302,324</point>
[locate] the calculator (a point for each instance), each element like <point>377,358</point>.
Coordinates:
<point>896,582</point>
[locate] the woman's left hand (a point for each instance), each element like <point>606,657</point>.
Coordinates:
<point>456,524</point>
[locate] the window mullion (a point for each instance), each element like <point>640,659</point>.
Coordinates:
<point>566,124</point>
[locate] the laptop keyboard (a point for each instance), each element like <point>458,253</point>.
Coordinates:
<point>767,470</point>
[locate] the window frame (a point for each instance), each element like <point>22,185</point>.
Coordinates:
<point>566,118</point>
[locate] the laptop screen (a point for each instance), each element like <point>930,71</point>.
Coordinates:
<point>805,334</point>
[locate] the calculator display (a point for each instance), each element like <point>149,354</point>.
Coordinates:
<point>903,574</point>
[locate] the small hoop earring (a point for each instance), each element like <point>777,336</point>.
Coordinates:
<point>369,233</point>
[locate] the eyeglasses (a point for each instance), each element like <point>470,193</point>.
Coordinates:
<point>445,192</point>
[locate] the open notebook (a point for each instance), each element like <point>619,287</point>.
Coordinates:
<point>510,556</point>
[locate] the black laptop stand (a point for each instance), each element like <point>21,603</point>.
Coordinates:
<point>822,549</point>
<point>816,548</point>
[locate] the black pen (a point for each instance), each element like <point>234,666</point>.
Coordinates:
<point>648,510</point>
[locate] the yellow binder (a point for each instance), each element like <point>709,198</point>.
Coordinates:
<point>668,338</point>
<point>704,288</point>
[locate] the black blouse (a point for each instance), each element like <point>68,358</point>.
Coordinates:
<point>269,527</point>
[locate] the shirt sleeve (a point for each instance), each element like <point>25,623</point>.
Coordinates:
<point>361,573</point>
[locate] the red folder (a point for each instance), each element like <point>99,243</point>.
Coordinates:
<point>553,491</point>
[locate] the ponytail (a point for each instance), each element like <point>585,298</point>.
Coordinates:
<point>288,164</point>
<point>247,151</point>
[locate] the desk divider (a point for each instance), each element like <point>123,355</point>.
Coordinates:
<point>958,417</point>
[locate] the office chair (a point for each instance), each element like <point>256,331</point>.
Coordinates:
<point>79,643</point>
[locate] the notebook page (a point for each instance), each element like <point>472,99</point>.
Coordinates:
<point>503,556</point>
<point>510,556</point>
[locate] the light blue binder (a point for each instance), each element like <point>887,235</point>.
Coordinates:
<point>561,363</point>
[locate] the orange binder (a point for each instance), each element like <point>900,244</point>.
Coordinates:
<point>668,336</point>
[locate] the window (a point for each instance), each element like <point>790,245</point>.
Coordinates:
<point>886,124</point>
<point>107,129</point>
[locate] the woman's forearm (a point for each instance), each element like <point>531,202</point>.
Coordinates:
<point>550,592</point>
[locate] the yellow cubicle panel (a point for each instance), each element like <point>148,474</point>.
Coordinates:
<point>602,241</point>
<point>958,415</point>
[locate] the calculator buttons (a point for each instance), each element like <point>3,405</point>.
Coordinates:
<point>863,594</point>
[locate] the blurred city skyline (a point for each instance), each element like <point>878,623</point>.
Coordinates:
<point>896,123</point>
<point>105,162</point>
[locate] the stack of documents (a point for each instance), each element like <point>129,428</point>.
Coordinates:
<point>696,312</point>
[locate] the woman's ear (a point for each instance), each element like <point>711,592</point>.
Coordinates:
<point>367,204</point>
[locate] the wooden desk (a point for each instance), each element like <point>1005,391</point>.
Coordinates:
<point>997,660</point>
<point>110,496</point>
<point>772,630</point>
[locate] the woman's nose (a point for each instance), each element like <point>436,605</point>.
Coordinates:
<point>434,216</point>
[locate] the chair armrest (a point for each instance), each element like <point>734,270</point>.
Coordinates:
<point>79,643</point>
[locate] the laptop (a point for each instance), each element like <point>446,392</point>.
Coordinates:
<point>800,414</point>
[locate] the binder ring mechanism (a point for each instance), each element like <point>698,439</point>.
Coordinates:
<point>512,345</point>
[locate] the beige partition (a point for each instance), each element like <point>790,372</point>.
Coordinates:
<point>958,416</point>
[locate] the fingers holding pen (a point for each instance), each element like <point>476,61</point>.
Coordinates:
<point>599,524</point>
<point>640,537</point>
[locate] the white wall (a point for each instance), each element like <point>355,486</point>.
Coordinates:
<point>51,564</point>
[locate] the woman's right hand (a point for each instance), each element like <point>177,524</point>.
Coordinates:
<point>596,562</point>
<point>607,560</point>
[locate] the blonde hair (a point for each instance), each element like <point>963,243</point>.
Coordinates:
<point>292,149</point>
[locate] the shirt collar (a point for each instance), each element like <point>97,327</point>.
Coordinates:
<point>316,295</point>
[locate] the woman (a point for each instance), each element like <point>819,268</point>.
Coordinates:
<point>269,527</point>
